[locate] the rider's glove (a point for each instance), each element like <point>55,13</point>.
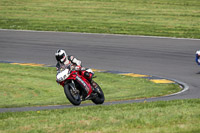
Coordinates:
<point>78,68</point>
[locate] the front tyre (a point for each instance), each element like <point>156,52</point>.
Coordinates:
<point>71,95</point>
<point>100,96</point>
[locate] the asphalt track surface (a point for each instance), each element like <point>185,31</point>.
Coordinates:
<point>172,58</point>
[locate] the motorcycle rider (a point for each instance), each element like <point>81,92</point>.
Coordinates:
<point>65,61</point>
<point>198,57</point>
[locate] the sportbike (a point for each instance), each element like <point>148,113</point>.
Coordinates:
<point>77,88</point>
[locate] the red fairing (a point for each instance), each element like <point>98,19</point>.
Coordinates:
<point>80,79</point>
<point>85,83</point>
<point>62,83</point>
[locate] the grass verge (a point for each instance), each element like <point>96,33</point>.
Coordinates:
<point>182,116</point>
<point>177,18</point>
<point>31,86</point>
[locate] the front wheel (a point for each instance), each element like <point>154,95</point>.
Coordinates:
<point>100,96</point>
<point>72,95</point>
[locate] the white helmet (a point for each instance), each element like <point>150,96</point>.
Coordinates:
<point>60,55</point>
<point>198,52</point>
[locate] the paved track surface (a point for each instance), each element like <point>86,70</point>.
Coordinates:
<point>164,57</point>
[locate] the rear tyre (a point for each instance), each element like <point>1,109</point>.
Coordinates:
<point>71,95</point>
<point>100,96</point>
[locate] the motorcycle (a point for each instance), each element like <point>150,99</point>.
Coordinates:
<point>77,88</point>
<point>198,57</point>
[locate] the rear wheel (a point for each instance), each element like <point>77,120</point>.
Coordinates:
<point>100,95</point>
<point>72,95</point>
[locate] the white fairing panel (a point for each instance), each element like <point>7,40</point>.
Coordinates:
<point>63,75</point>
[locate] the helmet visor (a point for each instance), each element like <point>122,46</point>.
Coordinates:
<point>60,57</point>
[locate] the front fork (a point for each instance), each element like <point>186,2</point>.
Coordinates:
<point>72,85</point>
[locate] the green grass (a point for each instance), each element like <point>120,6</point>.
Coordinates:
<point>34,86</point>
<point>180,116</point>
<point>173,18</point>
